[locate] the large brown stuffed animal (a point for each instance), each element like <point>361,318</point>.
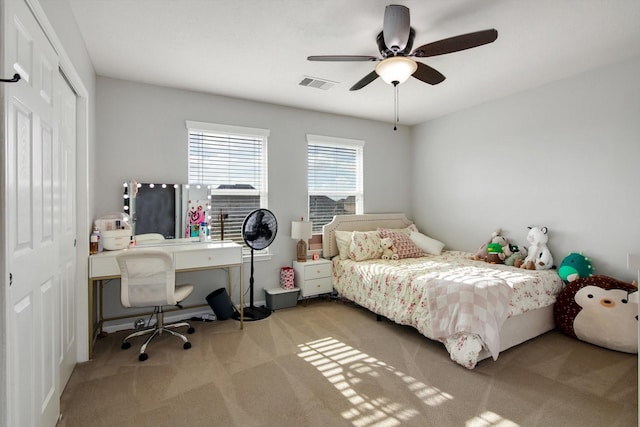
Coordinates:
<point>600,310</point>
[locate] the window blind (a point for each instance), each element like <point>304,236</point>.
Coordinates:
<point>334,167</point>
<point>231,161</point>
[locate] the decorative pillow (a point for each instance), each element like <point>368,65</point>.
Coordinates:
<point>426,243</point>
<point>405,248</point>
<point>365,245</point>
<point>343,241</point>
<point>407,230</point>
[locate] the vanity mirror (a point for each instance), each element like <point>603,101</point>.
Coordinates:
<point>177,211</point>
<point>172,210</point>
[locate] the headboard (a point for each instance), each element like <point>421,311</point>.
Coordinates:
<point>364,222</point>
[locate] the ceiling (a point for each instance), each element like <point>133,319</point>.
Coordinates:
<point>257,49</point>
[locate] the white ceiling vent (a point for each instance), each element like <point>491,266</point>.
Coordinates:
<point>317,83</point>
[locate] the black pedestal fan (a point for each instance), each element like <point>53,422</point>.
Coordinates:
<point>258,231</point>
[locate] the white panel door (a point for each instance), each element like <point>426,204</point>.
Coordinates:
<point>32,222</point>
<point>65,101</point>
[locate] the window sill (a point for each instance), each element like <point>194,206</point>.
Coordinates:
<point>257,257</point>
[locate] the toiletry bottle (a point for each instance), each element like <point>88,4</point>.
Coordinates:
<point>203,232</point>
<point>100,240</point>
<point>96,238</point>
<point>93,244</point>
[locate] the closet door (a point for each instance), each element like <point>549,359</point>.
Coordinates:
<point>65,102</point>
<point>33,222</point>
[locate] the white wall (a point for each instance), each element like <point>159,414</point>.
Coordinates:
<point>565,156</point>
<point>141,134</point>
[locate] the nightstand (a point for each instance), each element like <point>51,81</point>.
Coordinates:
<point>313,277</point>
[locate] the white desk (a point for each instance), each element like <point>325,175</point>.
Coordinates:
<point>187,256</point>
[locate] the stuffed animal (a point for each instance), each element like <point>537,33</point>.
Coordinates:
<point>388,249</point>
<point>481,253</point>
<point>599,310</point>
<point>517,256</point>
<point>539,257</point>
<point>498,250</point>
<point>574,266</point>
<point>494,253</point>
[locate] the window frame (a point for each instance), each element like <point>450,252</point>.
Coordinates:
<point>226,131</point>
<point>337,142</point>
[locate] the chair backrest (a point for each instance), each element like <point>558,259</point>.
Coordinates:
<point>148,278</point>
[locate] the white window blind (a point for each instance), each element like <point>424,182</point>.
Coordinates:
<point>231,161</point>
<point>334,168</point>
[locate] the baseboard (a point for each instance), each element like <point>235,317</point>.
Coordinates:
<point>170,317</point>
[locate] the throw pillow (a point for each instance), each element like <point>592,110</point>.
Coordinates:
<point>343,241</point>
<point>407,230</point>
<point>365,245</point>
<point>405,248</point>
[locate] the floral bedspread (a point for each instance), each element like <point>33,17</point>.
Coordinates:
<point>398,290</point>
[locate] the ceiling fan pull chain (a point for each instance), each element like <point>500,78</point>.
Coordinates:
<point>395,105</point>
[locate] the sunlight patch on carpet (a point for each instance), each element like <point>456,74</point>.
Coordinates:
<point>490,419</point>
<point>347,370</point>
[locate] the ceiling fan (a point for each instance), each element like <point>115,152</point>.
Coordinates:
<point>395,42</point>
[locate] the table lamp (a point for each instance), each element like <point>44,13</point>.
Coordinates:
<point>301,231</point>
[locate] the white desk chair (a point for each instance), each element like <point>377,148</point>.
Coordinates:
<point>148,279</point>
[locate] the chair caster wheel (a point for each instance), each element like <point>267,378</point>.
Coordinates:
<point>142,357</point>
<point>125,345</point>
<point>190,330</point>
<point>187,345</point>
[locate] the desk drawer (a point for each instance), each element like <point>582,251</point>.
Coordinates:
<point>207,258</point>
<point>317,271</point>
<point>103,267</point>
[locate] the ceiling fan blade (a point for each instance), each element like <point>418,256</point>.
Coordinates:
<point>457,43</point>
<point>365,81</point>
<point>342,58</point>
<point>395,27</point>
<point>427,74</point>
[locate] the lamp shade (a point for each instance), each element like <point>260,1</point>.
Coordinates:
<point>300,230</point>
<point>396,69</point>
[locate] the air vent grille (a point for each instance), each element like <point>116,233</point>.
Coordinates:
<point>317,83</point>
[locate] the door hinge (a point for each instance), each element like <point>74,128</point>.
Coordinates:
<point>10,279</point>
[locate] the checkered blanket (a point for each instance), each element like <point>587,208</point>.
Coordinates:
<point>479,307</point>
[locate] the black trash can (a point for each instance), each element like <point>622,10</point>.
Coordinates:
<point>220,304</point>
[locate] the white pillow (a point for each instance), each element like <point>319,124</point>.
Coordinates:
<point>343,241</point>
<point>426,243</point>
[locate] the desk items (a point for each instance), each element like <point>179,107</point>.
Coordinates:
<point>115,231</point>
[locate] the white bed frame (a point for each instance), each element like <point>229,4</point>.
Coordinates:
<point>515,330</point>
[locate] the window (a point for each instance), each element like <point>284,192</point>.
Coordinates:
<point>334,178</point>
<point>232,162</point>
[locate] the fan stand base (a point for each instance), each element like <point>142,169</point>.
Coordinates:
<point>252,313</point>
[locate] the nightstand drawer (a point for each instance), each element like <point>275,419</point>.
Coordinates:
<point>316,271</point>
<point>318,286</point>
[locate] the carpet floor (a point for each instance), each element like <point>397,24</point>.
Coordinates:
<point>330,363</point>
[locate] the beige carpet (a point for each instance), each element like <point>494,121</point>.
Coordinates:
<point>330,363</point>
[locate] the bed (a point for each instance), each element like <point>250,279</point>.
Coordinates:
<point>476,309</point>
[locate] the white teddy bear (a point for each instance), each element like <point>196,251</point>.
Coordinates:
<point>539,256</point>
<point>388,250</point>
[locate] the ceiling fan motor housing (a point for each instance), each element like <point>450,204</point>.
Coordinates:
<point>395,27</point>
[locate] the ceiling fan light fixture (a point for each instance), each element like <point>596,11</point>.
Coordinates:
<point>396,69</point>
